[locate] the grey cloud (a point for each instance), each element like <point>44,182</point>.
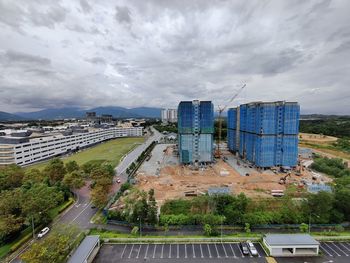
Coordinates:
<point>96,60</point>
<point>155,53</point>
<point>11,57</point>
<point>123,14</point>
<point>85,6</point>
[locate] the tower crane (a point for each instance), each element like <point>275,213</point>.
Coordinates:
<point>221,110</point>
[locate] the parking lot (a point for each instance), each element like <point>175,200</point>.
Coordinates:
<point>336,252</point>
<point>213,252</point>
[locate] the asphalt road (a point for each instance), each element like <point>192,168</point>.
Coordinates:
<point>81,212</point>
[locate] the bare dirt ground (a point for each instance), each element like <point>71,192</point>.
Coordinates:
<point>316,138</point>
<point>175,181</point>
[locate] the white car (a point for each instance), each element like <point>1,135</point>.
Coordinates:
<point>43,232</point>
<point>252,248</point>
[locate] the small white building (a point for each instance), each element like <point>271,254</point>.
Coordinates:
<point>291,245</point>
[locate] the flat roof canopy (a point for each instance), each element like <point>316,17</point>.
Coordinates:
<point>84,250</point>
<point>290,240</point>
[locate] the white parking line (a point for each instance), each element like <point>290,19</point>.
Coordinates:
<point>224,250</point>
<point>332,249</point>
<point>121,256</point>
<point>146,251</point>
<point>177,255</point>
<point>340,248</point>
<point>138,253</point>
<point>217,251</point>
<point>169,251</point>
<point>325,250</point>
<point>209,251</point>
<point>344,246</point>
<point>131,250</point>
<point>161,255</point>
<point>202,256</point>
<point>154,250</point>
<point>194,254</point>
<point>185,251</point>
<point>257,251</point>
<point>239,249</point>
<point>234,255</point>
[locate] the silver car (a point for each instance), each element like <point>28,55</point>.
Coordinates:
<point>252,248</point>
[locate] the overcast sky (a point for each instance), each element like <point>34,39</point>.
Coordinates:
<point>134,53</point>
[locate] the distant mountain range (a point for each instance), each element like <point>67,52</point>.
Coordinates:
<point>72,112</point>
<point>4,116</point>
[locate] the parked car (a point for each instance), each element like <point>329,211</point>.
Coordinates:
<point>118,180</point>
<point>43,232</point>
<point>244,248</point>
<point>252,248</point>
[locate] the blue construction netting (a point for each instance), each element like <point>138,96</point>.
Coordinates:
<point>206,117</point>
<point>289,150</point>
<point>205,148</point>
<point>243,117</point>
<point>232,118</point>
<point>265,122</point>
<point>231,140</point>
<point>185,148</point>
<point>185,114</point>
<point>265,149</point>
<point>242,144</point>
<point>291,118</point>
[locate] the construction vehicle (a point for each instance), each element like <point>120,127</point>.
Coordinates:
<point>217,153</point>
<point>284,179</point>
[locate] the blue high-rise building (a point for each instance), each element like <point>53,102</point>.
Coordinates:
<point>195,131</point>
<point>265,133</point>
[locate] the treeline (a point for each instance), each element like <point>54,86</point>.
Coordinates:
<point>135,206</point>
<point>170,127</point>
<point>323,207</point>
<point>331,166</point>
<point>338,126</point>
<point>32,194</point>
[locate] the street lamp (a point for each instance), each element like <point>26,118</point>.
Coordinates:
<point>310,221</point>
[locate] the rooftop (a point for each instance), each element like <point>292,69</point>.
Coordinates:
<point>290,239</point>
<point>84,250</point>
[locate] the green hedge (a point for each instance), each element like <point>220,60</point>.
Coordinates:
<point>195,219</point>
<point>63,207</point>
<point>21,242</point>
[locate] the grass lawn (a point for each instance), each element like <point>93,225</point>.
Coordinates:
<point>112,151</point>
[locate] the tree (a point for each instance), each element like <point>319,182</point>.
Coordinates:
<point>320,206</point>
<point>55,170</point>
<point>152,208</point>
<point>74,180</point>
<point>10,176</point>
<point>247,228</point>
<point>99,196</point>
<point>134,231</point>
<point>38,200</point>
<point>72,166</point>
<point>342,202</point>
<point>54,248</point>
<point>207,230</point>
<point>34,176</point>
<point>303,228</point>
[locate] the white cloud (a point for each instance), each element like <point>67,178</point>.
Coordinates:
<point>156,53</point>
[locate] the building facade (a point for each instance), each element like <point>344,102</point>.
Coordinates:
<point>195,131</point>
<point>169,115</point>
<point>265,133</point>
<point>26,150</point>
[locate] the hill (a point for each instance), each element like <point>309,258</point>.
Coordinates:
<point>5,116</point>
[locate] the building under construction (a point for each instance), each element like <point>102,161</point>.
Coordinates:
<point>265,133</point>
<point>196,129</point>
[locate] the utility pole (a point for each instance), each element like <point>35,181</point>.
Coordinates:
<point>140,225</point>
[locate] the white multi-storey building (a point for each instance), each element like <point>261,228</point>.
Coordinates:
<point>26,150</point>
<point>169,115</point>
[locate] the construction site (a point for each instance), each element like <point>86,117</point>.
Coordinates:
<point>172,180</point>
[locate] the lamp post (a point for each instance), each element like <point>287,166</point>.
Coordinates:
<point>310,221</point>
<point>33,228</point>
<point>140,225</point>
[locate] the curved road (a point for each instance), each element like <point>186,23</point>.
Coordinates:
<point>82,212</point>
